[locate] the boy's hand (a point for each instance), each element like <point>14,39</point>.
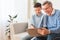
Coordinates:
<point>31,27</point>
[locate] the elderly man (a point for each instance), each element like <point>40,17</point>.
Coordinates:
<point>53,20</point>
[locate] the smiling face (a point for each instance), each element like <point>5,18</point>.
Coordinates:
<point>37,10</point>
<point>47,8</point>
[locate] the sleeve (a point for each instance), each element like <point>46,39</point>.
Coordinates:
<point>57,28</point>
<point>31,21</point>
<point>45,21</point>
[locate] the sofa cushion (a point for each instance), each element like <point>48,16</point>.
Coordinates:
<point>22,36</point>
<point>20,27</point>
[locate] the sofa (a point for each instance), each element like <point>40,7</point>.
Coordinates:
<point>18,31</point>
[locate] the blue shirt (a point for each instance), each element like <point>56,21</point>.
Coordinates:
<point>53,22</point>
<point>37,21</point>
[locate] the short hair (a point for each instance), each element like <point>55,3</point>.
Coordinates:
<point>47,2</point>
<point>37,5</point>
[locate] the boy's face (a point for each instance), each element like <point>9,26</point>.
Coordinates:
<point>37,10</point>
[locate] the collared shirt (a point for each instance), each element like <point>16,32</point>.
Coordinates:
<point>53,22</point>
<point>37,21</point>
<point>53,11</point>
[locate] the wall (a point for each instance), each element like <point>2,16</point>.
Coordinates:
<point>22,9</point>
<point>55,4</point>
<point>12,7</point>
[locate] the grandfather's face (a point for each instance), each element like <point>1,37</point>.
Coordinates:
<point>47,8</point>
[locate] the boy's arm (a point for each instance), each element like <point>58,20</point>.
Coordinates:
<point>31,23</point>
<point>31,27</point>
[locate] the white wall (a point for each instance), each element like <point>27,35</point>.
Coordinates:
<point>56,4</point>
<point>22,8</point>
<point>12,7</point>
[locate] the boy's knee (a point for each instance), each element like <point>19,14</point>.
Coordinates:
<point>34,38</point>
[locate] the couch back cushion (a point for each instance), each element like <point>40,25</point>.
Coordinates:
<point>20,27</point>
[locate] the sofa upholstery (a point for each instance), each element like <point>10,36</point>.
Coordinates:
<point>18,31</point>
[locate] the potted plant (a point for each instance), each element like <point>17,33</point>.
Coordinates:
<point>10,21</point>
<point>34,1</point>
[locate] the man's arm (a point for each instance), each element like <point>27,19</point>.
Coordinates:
<point>57,28</point>
<point>43,31</point>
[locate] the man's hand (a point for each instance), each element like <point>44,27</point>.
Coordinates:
<point>43,31</point>
<point>39,31</point>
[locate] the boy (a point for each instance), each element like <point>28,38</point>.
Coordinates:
<point>38,21</point>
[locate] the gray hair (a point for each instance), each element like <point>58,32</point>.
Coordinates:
<point>47,2</point>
